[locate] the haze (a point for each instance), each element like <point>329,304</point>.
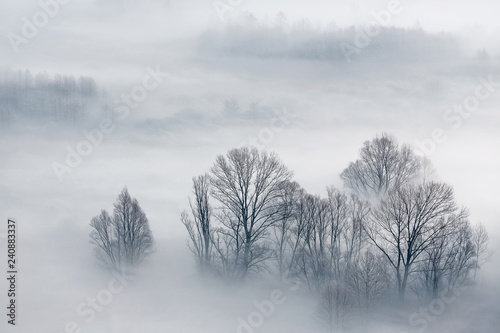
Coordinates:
<point>328,104</point>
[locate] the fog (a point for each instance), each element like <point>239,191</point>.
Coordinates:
<point>220,83</point>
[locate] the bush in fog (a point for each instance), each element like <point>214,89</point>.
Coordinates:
<point>367,278</point>
<point>124,239</point>
<point>335,306</point>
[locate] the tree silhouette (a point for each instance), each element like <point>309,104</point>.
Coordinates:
<point>125,239</point>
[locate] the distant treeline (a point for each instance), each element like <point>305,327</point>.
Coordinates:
<point>59,98</point>
<point>300,40</point>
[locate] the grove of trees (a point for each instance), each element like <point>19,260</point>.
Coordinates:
<point>60,98</point>
<point>280,38</point>
<point>392,229</point>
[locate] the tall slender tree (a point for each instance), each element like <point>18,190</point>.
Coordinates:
<point>198,224</point>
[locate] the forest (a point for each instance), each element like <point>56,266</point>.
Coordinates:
<point>393,230</point>
<point>43,98</point>
<point>283,39</point>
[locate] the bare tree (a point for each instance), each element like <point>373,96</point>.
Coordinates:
<point>227,252</point>
<point>367,278</point>
<point>480,240</point>
<point>335,306</point>
<point>449,261</point>
<point>409,222</point>
<point>338,214</point>
<point>427,171</point>
<point>248,184</point>
<point>103,236</point>
<point>314,264</point>
<point>353,236</point>
<point>199,227</point>
<point>124,240</point>
<point>330,237</point>
<point>383,165</point>
<point>295,237</point>
<point>283,230</point>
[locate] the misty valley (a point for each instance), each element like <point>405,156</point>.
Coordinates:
<point>244,167</point>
